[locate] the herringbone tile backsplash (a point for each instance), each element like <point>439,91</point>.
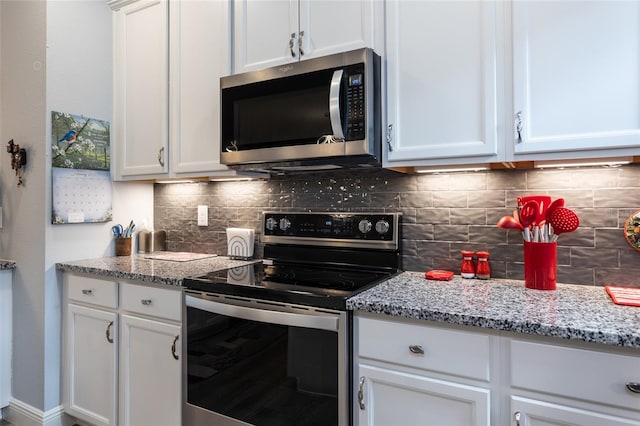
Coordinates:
<point>442,214</point>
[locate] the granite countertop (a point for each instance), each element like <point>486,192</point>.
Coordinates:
<point>139,267</point>
<point>575,312</point>
<point>7,264</point>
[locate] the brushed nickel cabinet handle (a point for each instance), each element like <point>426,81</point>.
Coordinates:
<point>416,349</point>
<point>291,44</point>
<point>300,49</point>
<point>390,137</point>
<point>109,338</point>
<point>87,292</point>
<point>361,393</point>
<point>516,417</point>
<point>146,302</point>
<point>519,126</point>
<point>633,387</point>
<point>173,348</point>
<point>161,156</point>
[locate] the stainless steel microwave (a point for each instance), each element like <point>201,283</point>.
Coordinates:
<point>317,114</point>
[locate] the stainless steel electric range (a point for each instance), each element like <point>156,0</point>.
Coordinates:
<point>271,343</point>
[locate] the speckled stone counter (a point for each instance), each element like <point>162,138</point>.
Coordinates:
<point>137,267</point>
<point>7,264</point>
<point>573,312</point>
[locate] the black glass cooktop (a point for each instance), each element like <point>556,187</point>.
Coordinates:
<point>319,286</point>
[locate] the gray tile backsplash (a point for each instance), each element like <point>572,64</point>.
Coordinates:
<point>442,214</point>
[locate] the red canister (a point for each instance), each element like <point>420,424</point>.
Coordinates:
<point>540,262</point>
<point>483,271</point>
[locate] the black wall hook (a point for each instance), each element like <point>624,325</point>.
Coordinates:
<point>18,159</point>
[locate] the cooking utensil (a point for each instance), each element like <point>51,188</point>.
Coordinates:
<point>508,222</point>
<point>563,220</point>
<point>559,202</point>
<point>117,230</point>
<point>544,201</point>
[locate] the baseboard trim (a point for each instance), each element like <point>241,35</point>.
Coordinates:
<point>22,414</point>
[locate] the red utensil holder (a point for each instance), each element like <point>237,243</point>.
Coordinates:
<point>540,262</point>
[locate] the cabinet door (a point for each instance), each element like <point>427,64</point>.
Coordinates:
<point>329,27</point>
<point>443,81</point>
<point>141,127</point>
<point>199,56</point>
<point>6,277</point>
<point>91,349</point>
<point>395,398</point>
<point>576,69</point>
<point>150,372</point>
<point>528,412</point>
<point>265,33</point>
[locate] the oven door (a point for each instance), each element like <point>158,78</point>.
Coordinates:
<point>258,362</point>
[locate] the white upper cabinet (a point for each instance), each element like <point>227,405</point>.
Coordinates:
<point>199,56</point>
<point>443,81</point>
<point>576,77</point>
<point>273,32</point>
<point>169,56</point>
<point>141,133</point>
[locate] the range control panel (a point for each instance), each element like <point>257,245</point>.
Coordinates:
<point>339,228</point>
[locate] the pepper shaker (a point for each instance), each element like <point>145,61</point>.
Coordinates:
<point>483,271</point>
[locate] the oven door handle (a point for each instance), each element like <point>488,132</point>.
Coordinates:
<point>320,322</point>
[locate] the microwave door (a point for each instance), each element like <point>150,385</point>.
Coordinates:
<point>334,104</point>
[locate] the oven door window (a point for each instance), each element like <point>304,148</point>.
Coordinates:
<point>262,373</point>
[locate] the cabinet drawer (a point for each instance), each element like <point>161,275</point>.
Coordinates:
<point>92,290</point>
<point>449,351</point>
<point>157,302</point>
<point>575,373</point>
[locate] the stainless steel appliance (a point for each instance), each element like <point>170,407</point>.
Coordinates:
<point>271,343</point>
<point>316,114</point>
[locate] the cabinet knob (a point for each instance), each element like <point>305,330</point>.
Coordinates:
<point>146,302</point>
<point>361,393</point>
<point>87,292</point>
<point>633,387</point>
<point>516,417</point>
<point>416,349</point>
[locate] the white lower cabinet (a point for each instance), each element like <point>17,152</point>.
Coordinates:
<point>409,373</point>
<point>149,391</point>
<point>92,353</point>
<point>122,353</point>
<point>6,277</point>
<point>391,397</point>
<point>563,385</point>
<point>531,412</point>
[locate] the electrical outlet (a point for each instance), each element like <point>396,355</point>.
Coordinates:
<point>203,216</point>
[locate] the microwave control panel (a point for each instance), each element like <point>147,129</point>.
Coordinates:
<point>355,98</point>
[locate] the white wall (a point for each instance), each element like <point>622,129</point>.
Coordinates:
<point>77,79</point>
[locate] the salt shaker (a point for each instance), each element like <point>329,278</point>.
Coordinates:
<point>483,270</point>
<point>467,270</point>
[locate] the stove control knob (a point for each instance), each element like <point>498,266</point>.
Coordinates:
<point>382,227</point>
<point>364,226</point>
<point>285,224</point>
<point>271,224</point>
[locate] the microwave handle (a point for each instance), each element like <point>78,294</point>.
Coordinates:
<point>334,104</point>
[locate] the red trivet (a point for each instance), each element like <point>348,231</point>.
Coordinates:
<point>624,295</point>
